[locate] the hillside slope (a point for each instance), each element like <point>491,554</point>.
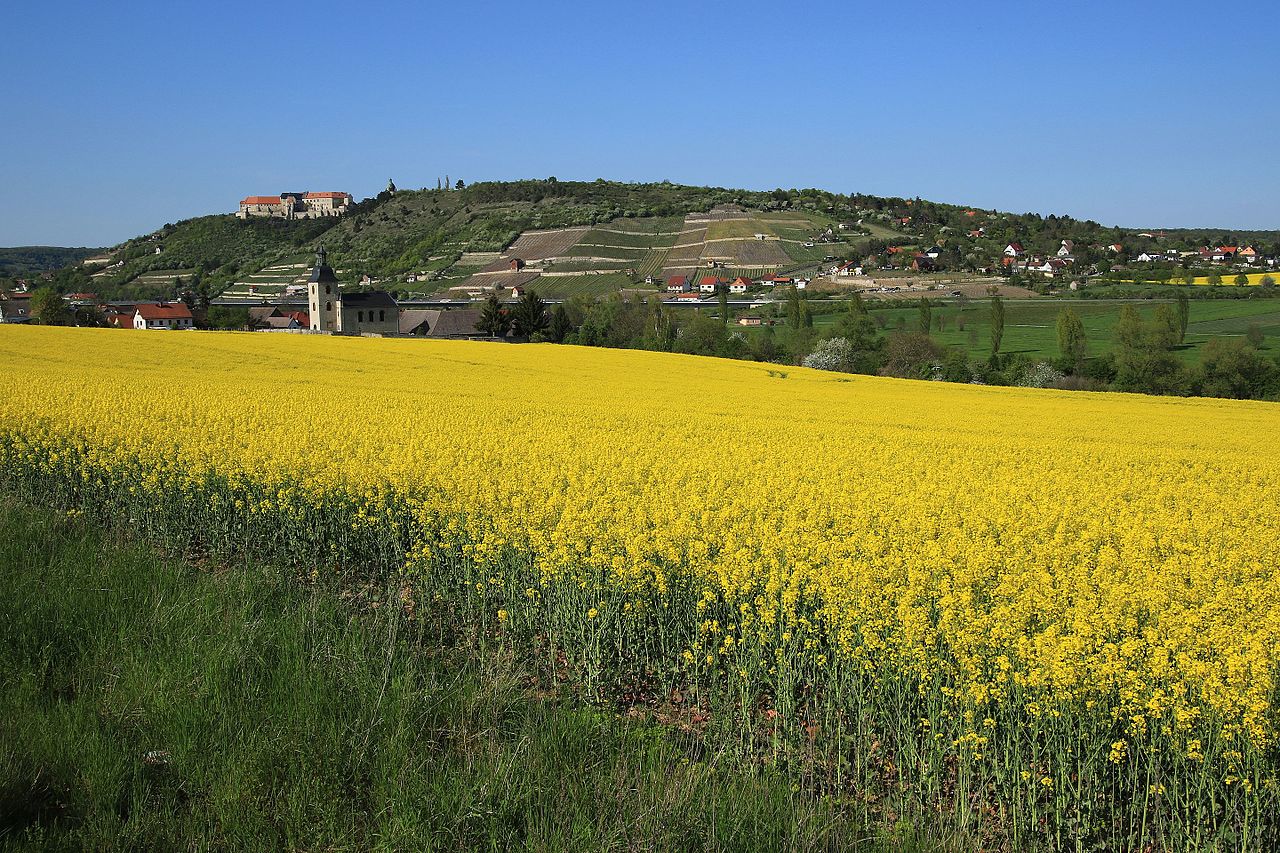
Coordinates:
<point>432,240</point>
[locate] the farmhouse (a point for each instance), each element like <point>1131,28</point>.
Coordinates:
<point>162,315</point>
<point>677,284</point>
<point>1013,250</point>
<point>709,284</point>
<point>750,321</point>
<point>295,205</point>
<point>739,285</point>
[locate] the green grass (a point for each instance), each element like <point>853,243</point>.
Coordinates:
<point>149,704</point>
<point>1030,327</point>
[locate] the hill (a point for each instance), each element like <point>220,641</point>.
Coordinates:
<point>26,260</point>
<point>603,236</point>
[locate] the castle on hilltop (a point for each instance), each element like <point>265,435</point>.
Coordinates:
<point>295,205</point>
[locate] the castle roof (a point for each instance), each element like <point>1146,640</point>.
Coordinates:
<point>327,195</point>
<point>261,199</point>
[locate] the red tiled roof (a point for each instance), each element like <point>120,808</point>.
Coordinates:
<point>709,279</point>
<point>164,312</point>
<point>261,199</point>
<point>676,279</point>
<point>326,195</point>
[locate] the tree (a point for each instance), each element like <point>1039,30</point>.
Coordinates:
<point>1072,343</point>
<point>1253,334</point>
<point>997,324</point>
<point>1232,368</point>
<point>911,355</point>
<point>1215,278</point>
<point>795,314</point>
<point>1189,277</point>
<point>493,321</point>
<point>1184,314</point>
<point>1142,358</point>
<point>460,185</point>
<point>1242,279</point>
<point>723,301</point>
<point>48,307</point>
<point>926,321</point>
<point>529,317</point>
<point>561,325</point>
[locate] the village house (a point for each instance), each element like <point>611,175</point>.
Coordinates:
<point>677,284</point>
<point>1013,250</point>
<point>750,321</point>
<point>1067,249</point>
<point>739,285</point>
<point>1248,255</point>
<point>163,315</point>
<point>688,297</point>
<point>16,308</point>
<point>709,284</point>
<point>295,205</point>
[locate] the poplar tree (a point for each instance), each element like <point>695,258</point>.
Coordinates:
<point>997,324</point>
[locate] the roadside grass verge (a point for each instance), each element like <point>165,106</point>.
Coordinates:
<point>149,703</point>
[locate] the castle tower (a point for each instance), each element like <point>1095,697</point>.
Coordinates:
<point>323,297</point>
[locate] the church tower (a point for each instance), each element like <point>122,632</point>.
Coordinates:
<point>323,297</point>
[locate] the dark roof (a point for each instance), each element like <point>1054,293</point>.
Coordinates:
<point>370,299</point>
<point>323,273</point>
<point>456,324</point>
<point>414,318</point>
<point>263,312</point>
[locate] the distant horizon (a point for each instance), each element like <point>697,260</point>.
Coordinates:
<point>1097,114</point>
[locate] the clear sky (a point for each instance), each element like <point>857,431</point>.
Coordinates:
<point>119,118</point>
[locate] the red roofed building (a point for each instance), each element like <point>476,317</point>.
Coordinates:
<point>709,283</point>
<point>295,205</point>
<point>740,285</point>
<point>163,316</point>
<point>677,284</point>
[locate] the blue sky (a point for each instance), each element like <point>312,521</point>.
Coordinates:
<point>119,118</point>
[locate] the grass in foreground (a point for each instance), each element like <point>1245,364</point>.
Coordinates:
<point>149,704</point>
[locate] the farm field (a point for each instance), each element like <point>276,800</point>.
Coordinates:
<point>737,229</point>
<point>567,286</point>
<point>1017,616</point>
<point>1255,278</point>
<point>1030,327</point>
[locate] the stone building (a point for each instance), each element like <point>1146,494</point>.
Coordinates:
<point>331,310</point>
<point>295,205</point>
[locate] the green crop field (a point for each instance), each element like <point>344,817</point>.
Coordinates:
<point>651,263</point>
<point>600,237</point>
<point>567,286</point>
<point>621,253</point>
<point>737,229</point>
<point>1030,327</point>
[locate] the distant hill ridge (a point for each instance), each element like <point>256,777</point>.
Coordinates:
<point>436,239</point>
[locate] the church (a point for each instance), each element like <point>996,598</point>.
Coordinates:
<point>331,310</point>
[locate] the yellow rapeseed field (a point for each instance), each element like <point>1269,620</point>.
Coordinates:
<point>1063,603</point>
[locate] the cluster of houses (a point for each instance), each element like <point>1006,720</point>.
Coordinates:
<point>684,289</point>
<point>1018,260</point>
